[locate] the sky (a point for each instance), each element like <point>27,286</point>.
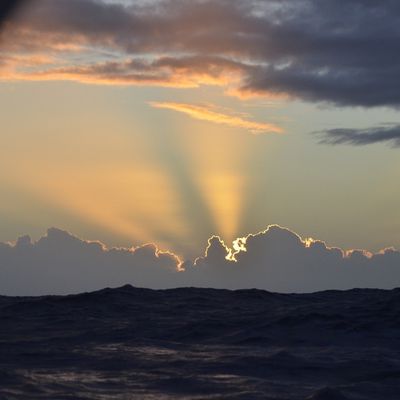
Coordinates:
<point>169,122</point>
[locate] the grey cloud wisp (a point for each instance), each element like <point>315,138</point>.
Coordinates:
<point>359,137</point>
<point>340,52</point>
<point>276,260</point>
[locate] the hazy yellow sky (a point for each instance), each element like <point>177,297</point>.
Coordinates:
<point>131,139</point>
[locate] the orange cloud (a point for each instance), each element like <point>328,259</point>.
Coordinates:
<point>208,113</point>
<point>162,71</point>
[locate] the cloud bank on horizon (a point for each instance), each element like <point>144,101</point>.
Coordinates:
<point>276,259</point>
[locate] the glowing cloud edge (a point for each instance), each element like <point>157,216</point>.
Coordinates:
<point>276,259</point>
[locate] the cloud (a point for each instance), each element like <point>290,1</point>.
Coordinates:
<point>163,71</point>
<point>7,8</point>
<point>360,137</point>
<point>62,263</point>
<point>314,50</point>
<point>276,259</point>
<point>208,113</point>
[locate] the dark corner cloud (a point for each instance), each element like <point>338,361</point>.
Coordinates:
<point>8,7</point>
<point>340,52</point>
<point>276,259</point>
<point>360,137</point>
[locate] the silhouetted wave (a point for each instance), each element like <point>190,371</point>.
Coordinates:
<point>189,343</point>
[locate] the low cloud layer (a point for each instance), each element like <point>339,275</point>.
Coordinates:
<point>211,114</point>
<point>344,53</point>
<point>62,263</point>
<point>276,260</point>
<point>360,137</point>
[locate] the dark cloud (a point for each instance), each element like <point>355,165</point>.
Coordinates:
<point>7,7</point>
<point>276,259</point>
<point>279,260</point>
<point>62,263</point>
<point>360,137</point>
<point>345,53</point>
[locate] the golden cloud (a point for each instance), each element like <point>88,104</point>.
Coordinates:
<point>210,114</point>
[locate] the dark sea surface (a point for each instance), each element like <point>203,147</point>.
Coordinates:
<point>130,343</point>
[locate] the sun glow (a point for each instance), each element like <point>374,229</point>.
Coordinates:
<point>171,180</point>
<point>223,194</point>
<point>238,245</point>
<point>173,186</point>
<point>130,202</point>
<point>308,242</point>
<point>216,164</point>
